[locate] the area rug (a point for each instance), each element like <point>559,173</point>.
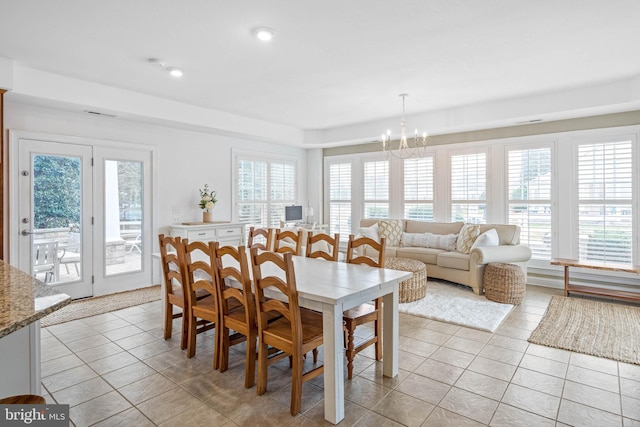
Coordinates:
<point>591,327</point>
<point>448,302</point>
<point>103,304</point>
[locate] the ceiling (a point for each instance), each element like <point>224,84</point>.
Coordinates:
<point>332,63</point>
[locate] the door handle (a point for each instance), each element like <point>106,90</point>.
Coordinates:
<point>27,232</point>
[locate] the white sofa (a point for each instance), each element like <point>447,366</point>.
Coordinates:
<point>457,267</point>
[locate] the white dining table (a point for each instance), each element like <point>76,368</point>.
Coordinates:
<point>331,288</point>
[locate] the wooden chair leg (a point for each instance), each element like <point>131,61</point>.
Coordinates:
<point>185,328</point>
<point>191,344</point>
<point>296,386</point>
<point>250,363</point>
<point>263,354</point>
<point>220,354</point>
<point>350,351</point>
<point>315,356</point>
<point>378,328</point>
<point>168,319</point>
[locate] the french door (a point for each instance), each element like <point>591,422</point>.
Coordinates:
<point>80,214</point>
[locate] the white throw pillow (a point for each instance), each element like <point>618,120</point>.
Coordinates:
<point>442,241</point>
<point>488,238</point>
<point>414,240</point>
<point>370,232</point>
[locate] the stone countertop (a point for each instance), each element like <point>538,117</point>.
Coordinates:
<point>24,299</point>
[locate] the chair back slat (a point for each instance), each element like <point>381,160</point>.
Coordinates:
<point>332,243</point>
<point>288,241</point>
<point>359,244</point>
<point>260,238</point>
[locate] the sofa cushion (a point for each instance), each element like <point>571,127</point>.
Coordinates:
<point>488,238</point>
<point>466,237</point>
<point>455,260</point>
<point>426,255</point>
<point>391,230</point>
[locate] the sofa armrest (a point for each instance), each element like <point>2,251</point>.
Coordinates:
<point>502,253</point>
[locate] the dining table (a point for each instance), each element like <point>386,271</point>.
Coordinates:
<point>331,288</point>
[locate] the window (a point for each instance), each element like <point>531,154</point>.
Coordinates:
<point>468,187</point>
<point>340,199</point>
<point>418,189</point>
<point>264,188</point>
<point>605,189</point>
<point>529,197</point>
<point>376,189</point>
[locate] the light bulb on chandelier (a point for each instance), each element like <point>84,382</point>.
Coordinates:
<point>404,150</point>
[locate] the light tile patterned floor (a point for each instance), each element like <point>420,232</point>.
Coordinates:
<point>115,369</point>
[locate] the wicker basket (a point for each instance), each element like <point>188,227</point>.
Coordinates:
<point>414,288</point>
<point>504,283</point>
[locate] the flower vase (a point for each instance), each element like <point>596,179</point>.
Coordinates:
<point>207,216</point>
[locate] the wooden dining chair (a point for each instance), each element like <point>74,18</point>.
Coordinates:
<point>364,313</point>
<point>202,313</point>
<point>260,238</point>
<point>323,241</point>
<point>174,285</point>
<point>237,307</point>
<point>288,241</point>
<point>295,333</point>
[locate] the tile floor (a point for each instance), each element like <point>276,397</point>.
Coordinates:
<point>116,370</point>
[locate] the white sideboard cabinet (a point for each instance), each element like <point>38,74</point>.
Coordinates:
<point>227,233</point>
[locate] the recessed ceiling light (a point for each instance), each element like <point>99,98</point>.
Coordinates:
<point>263,33</point>
<point>175,71</point>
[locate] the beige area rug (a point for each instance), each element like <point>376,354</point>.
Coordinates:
<point>102,304</point>
<point>591,327</point>
<point>457,304</point>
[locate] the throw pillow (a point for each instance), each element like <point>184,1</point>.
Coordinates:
<point>441,241</point>
<point>466,237</point>
<point>414,240</point>
<point>391,230</point>
<point>488,238</point>
<point>370,232</point>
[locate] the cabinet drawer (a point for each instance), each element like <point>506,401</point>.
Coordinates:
<point>203,235</point>
<point>229,232</point>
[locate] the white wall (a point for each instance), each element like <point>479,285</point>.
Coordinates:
<point>186,160</point>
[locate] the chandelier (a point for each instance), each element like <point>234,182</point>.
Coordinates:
<point>404,150</point>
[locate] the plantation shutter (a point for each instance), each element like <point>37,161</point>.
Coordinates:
<point>605,208</point>
<point>376,189</point>
<point>340,199</point>
<point>418,189</point>
<point>469,187</point>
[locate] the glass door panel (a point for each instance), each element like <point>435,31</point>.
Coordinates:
<point>123,216</point>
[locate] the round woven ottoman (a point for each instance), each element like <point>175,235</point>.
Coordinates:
<point>504,283</point>
<point>414,288</point>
